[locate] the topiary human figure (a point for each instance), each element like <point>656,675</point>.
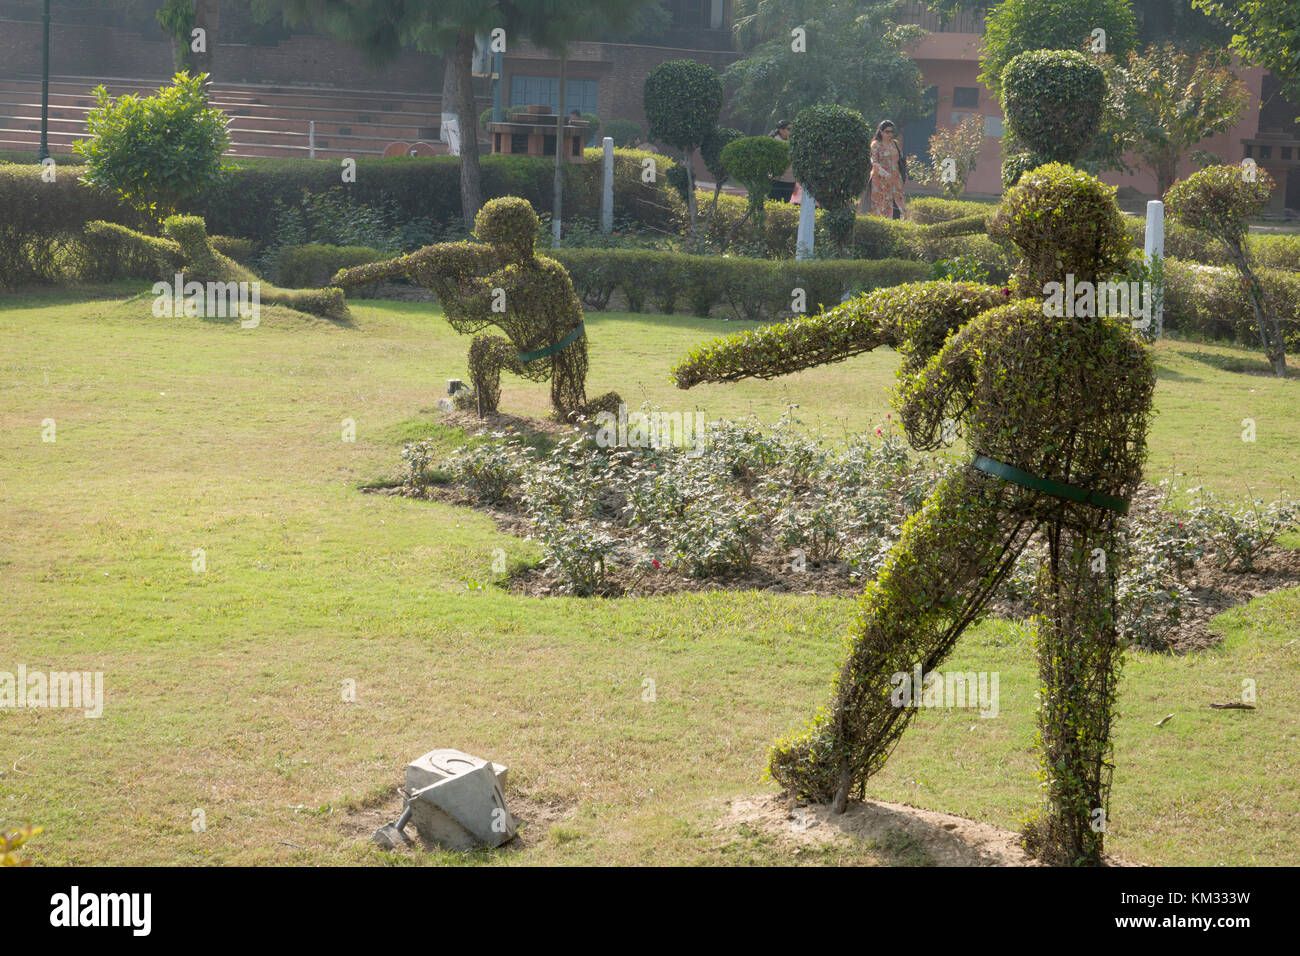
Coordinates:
<point>186,247</point>
<point>1056,411</point>
<point>499,281</point>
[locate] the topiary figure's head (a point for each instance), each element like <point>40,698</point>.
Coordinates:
<point>1063,222</point>
<point>508,222</point>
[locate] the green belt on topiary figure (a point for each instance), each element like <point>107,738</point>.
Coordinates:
<point>499,281</point>
<point>1056,409</point>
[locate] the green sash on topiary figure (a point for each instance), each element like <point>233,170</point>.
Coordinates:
<point>499,281</point>
<point>1055,410</point>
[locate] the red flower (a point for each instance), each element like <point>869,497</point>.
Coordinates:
<point>1006,291</point>
<point>877,431</point>
<point>655,562</point>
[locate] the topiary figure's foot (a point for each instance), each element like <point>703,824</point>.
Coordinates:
<point>609,402</point>
<point>807,765</point>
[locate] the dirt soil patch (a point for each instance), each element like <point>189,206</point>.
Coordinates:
<point>903,835</point>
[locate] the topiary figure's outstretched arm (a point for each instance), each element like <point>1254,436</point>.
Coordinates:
<point>776,350</point>
<point>165,252</point>
<point>916,318</point>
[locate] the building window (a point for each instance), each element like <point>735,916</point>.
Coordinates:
<point>545,91</point>
<point>1266,152</point>
<point>965,97</point>
<point>691,14</point>
<point>993,126</point>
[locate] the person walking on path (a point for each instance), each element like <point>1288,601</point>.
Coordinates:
<point>783,185</point>
<point>887,173</point>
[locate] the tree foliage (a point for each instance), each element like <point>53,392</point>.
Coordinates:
<point>155,152</point>
<point>1053,101</point>
<point>1264,32</point>
<point>849,53</point>
<point>1017,26</point>
<point>830,150</point>
<point>1173,99</point>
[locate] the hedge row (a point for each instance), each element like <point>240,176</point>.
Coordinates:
<point>1209,301</point>
<point>740,287</point>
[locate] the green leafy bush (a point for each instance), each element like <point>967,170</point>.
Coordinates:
<point>1210,302</point>
<point>42,223</point>
<point>314,265</point>
<point>830,149</point>
<point>1053,101</point>
<point>928,210</point>
<point>754,161</point>
<point>623,132</point>
<point>682,100</point>
<point>746,288</point>
<point>159,153</point>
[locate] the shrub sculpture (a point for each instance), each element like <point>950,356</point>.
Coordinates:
<point>499,281</point>
<point>830,150</point>
<point>754,161</point>
<point>1056,410</point>
<point>1217,200</point>
<point>1053,101</point>
<point>187,248</point>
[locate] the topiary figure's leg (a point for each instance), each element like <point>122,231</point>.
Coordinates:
<point>488,355</point>
<point>1079,658</point>
<point>948,562</point>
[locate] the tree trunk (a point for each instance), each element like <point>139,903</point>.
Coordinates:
<point>207,16</point>
<point>1270,332</point>
<point>448,95</point>
<point>470,191</point>
<point>557,199</point>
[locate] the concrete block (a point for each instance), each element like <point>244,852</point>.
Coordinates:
<point>463,811</point>
<point>440,764</point>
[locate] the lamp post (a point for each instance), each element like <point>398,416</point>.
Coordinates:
<point>45,84</point>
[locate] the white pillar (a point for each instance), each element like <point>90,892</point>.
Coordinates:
<point>1155,248</point>
<point>807,226</point>
<point>311,139</point>
<point>607,188</point>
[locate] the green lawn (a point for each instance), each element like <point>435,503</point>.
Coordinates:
<point>224,688</point>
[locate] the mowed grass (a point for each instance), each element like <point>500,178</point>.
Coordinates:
<point>224,689</point>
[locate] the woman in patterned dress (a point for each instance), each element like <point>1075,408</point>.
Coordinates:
<point>886,173</point>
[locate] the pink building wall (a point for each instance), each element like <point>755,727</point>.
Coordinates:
<point>949,60</point>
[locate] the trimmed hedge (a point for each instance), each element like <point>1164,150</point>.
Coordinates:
<point>41,223</point>
<point>740,287</point>
<point>1209,301</point>
<point>927,210</point>
<point>314,265</point>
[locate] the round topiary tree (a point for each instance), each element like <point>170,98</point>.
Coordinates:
<point>830,150</point>
<point>1218,200</point>
<point>1053,101</point>
<point>754,161</point>
<point>1017,26</point>
<point>711,152</point>
<point>682,101</point>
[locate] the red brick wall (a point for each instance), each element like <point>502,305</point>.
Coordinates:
<point>301,61</point>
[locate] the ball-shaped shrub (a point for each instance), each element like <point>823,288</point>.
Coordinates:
<point>711,150</point>
<point>754,161</point>
<point>830,149</point>
<point>1053,101</point>
<point>1015,26</point>
<point>1219,200</point>
<point>1062,221</point>
<point>682,102</point>
<point>622,131</point>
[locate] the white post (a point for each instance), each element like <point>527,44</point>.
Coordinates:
<point>311,139</point>
<point>1155,248</point>
<point>607,188</point>
<point>807,226</point>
